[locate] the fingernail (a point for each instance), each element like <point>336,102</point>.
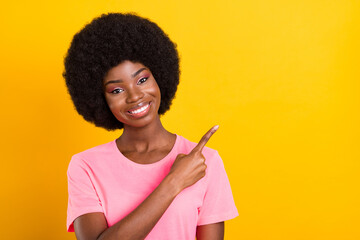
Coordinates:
<point>216,127</point>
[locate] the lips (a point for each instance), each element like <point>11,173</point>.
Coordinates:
<point>140,110</point>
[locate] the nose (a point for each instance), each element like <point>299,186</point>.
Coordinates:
<point>134,94</point>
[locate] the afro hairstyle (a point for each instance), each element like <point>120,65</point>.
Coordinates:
<point>103,44</point>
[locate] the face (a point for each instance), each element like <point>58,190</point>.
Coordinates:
<point>132,94</point>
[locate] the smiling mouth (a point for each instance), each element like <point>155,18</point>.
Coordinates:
<point>141,111</point>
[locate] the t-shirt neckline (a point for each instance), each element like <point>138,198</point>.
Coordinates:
<point>161,161</point>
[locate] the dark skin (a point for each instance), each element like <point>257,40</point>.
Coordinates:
<point>134,98</point>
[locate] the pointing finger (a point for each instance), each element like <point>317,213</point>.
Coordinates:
<point>199,147</point>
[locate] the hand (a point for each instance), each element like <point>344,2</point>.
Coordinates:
<point>190,168</point>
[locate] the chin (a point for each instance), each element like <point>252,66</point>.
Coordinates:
<point>141,122</point>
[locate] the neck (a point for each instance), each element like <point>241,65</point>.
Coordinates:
<point>144,138</point>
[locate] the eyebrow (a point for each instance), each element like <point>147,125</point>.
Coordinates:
<point>132,75</point>
<point>137,72</point>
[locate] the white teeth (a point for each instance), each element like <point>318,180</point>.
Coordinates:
<point>140,110</point>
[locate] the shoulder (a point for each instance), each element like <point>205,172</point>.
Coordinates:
<point>92,155</point>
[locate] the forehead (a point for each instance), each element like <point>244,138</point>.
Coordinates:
<point>125,69</point>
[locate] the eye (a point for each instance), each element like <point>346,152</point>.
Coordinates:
<point>142,80</point>
<point>117,90</point>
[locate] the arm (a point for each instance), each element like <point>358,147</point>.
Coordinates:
<point>213,231</point>
<point>134,226</point>
<point>186,171</point>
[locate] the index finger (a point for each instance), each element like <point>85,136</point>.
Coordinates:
<point>199,147</point>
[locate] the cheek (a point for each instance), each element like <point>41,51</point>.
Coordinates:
<point>115,109</point>
<point>156,90</point>
<point>113,105</point>
<point>157,94</point>
<point>108,102</point>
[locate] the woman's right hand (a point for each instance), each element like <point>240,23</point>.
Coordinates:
<point>187,169</point>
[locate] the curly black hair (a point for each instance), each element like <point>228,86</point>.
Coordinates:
<point>104,43</point>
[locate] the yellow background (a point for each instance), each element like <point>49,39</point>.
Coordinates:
<point>280,77</point>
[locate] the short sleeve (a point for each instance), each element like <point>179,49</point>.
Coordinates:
<point>82,194</point>
<point>218,204</point>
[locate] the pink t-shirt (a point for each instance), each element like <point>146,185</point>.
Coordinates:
<point>101,179</point>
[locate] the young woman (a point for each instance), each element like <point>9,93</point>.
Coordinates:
<point>122,71</point>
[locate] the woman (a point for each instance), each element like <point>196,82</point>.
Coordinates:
<point>122,71</point>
